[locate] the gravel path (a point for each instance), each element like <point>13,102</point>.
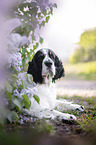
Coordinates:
<point>76,87</point>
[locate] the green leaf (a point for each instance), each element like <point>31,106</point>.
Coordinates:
<point>43,23</point>
<point>28,55</point>
<point>33,37</point>
<point>9,95</point>
<point>47,19</point>
<point>25,97</point>
<point>35,46</point>
<point>14,78</point>
<point>27,102</point>
<point>51,10</point>
<point>36,98</point>
<point>27,105</point>
<point>20,87</point>
<point>31,51</point>
<point>41,40</point>
<point>45,12</point>
<point>18,103</point>
<point>24,84</point>
<point>12,116</point>
<point>55,5</point>
<point>29,77</point>
<point>8,87</point>
<point>39,15</point>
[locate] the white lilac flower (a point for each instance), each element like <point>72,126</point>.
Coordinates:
<point>16,93</point>
<point>11,24</point>
<point>21,78</point>
<point>15,41</point>
<point>6,27</point>
<point>31,88</point>
<point>15,60</point>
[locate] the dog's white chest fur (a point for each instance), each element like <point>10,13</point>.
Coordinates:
<point>47,95</point>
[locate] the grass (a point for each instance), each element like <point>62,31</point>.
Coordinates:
<point>86,119</point>
<point>86,71</point>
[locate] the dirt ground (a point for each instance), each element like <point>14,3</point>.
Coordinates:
<point>64,133</point>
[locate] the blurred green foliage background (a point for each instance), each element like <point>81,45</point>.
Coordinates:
<point>82,71</point>
<point>86,48</point>
<point>82,63</point>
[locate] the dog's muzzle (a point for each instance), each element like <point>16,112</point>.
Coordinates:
<point>48,69</point>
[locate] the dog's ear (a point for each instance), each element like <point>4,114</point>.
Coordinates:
<point>35,71</point>
<point>59,69</point>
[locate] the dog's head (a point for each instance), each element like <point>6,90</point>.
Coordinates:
<point>45,65</point>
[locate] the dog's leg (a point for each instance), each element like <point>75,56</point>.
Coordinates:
<point>65,105</point>
<point>63,116</point>
<point>52,114</point>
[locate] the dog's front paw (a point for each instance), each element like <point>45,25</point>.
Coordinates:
<point>77,107</point>
<point>80,108</point>
<point>72,118</point>
<point>68,118</point>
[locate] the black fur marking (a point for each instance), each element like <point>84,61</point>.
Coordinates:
<point>35,67</point>
<point>58,65</point>
<point>59,69</point>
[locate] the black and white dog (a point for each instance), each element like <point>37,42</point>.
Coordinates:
<point>45,68</point>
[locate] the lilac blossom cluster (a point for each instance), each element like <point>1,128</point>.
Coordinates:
<point>15,57</point>
<point>15,60</point>
<point>6,28</point>
<point>29,91</point>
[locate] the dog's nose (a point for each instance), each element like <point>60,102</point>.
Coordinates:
<point>48,63</point>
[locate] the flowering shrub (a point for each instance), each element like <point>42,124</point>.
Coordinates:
<point>28,17</point>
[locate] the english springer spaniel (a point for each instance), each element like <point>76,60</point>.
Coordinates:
<point>45,68</point>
